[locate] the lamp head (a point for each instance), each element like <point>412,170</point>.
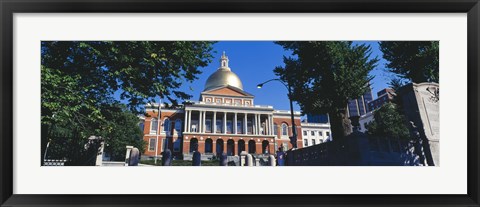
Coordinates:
<point>259,85</point>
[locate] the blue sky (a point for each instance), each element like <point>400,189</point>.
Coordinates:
<point>254,61</point>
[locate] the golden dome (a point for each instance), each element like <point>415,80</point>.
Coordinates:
<point>223,76</point>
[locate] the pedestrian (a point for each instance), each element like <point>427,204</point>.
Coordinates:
<point>280,157</point>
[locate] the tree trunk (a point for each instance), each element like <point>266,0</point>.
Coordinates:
<point>44,140</point>
<point>340,124</point>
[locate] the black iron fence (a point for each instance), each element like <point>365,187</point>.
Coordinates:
<point>66,149</point>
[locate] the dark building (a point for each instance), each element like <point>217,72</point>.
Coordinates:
<point>359,107</point>
<point>384,96</point>
<point>322,118</point>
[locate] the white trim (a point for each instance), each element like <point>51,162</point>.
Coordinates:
<point>221,134</point>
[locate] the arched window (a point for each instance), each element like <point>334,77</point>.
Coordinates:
<point>219,146</point>
<point>193,144</point>
<point>178,126</point>
<point>265,147</point>
<point>166,125</point>
<point>241,146</point>
<point>208,146</point>
<point>153,126</point>
<point>284,129</point>
<point>230,147</point>
<point>251,147</point>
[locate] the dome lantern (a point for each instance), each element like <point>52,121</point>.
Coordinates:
<point>224,61</point>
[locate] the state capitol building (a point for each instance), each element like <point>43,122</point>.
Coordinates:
<point>225,120</point>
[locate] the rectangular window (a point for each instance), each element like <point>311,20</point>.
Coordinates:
<point>249,127</point>
<point>153,126</point>
<point>328,134</point>
<point>194,127</point>
<point>229,126</point>
<point>305,142</point>
<point>313,142</point>
<point>313,133</point>
<point>320,133</point>
<point>219,126</point>
<point>151,144</point>
<point>305,133</point>
<point>239,126</point>
<point>208,125</point>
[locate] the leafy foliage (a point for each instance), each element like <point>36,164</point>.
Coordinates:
<point>388,122</point>
<point>325,75</point>
<point>141,69</point>
<point>121,129</point>
<point>414,60</point>
<point>396,84</point>
<point>81,83</point>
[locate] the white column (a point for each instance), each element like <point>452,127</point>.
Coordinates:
<point>215,122</point>
<point>235,124</point>
<point>260,125</point>
<point>254,124</point>
<point>265,131</point>
<point>245,125</point>
<point>267,125</point>
<point>190,121</point>
<point>257,123</point>
<point>185,118</point>
<point>199,127</point>
<point>271,126</point>
<point>200,121</point>
<point>203,123</point>
<point>270,123</point>
<point>224,122</point>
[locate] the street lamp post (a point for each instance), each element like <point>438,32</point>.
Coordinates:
<point>158,129</point>
<point>293,138</point>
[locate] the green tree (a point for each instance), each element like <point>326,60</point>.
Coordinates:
<point>416,61</point>
<point>325,75</point>
<point>396,84</point>
<point>81,80</point>
<point>139,70</point>
<point>388,122</point>
<point>121,129</point>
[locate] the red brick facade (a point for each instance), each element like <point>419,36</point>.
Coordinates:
<point>224,121</point>
<point>210,143</point>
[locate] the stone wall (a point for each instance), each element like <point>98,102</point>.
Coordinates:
<point>421,104</point>
<point>357,150</point>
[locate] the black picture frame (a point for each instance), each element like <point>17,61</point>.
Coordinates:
<point>9,7</point>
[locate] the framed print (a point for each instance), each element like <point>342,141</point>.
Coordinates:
<point>314,103</point>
